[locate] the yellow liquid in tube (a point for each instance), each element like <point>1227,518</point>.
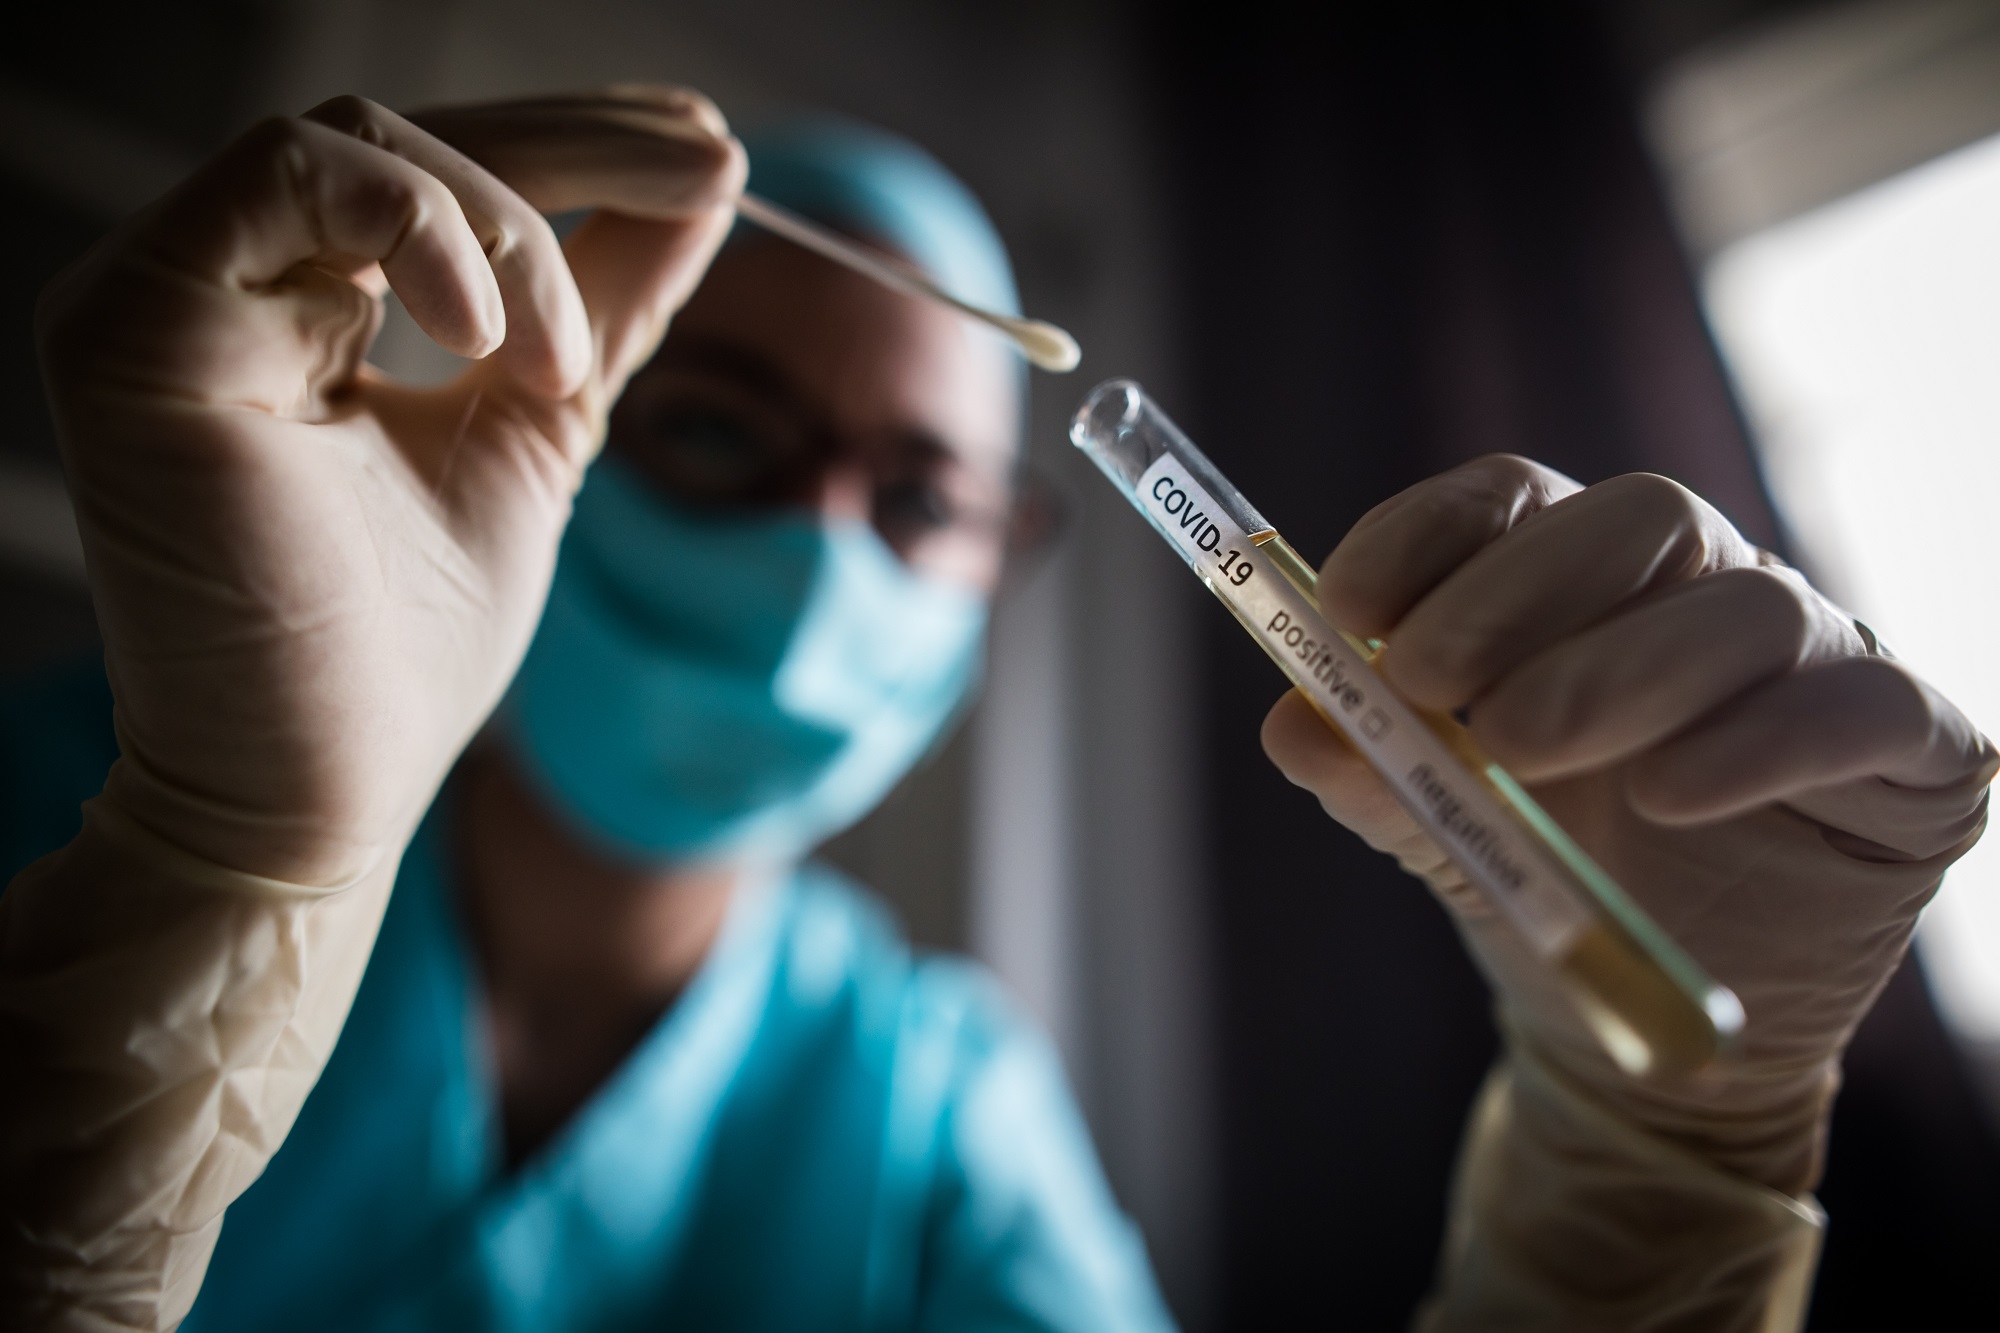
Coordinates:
<point>1653,1008</point>
<point>1650,1025</point>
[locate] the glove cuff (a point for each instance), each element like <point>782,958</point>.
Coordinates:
<point>105,817</point>
<point>1567,1214</point>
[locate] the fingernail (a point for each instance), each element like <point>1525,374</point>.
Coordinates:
<point>708,115</point>
<point>683,102</point>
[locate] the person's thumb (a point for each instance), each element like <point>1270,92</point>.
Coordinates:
<point>661,172</point>
<point>634,273</point>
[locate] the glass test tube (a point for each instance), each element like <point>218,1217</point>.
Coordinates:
<point>1652,1006</point>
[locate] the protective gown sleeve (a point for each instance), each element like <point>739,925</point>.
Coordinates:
<point>1588,1199</point>
<point>1567,1215</point>
<point>161,1022</point>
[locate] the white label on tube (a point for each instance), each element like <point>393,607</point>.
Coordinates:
<point>1456,809</point>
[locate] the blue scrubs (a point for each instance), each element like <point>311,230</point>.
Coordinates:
<point>824,1132</point>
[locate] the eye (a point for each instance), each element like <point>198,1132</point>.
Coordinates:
<point>703,453</point>
<point>910,508</point>
<point>705,445</point>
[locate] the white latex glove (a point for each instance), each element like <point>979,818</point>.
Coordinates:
<point>1725,743</point>
<point>313,586</point>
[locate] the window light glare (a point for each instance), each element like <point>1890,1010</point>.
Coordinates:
<point>1865,339</point>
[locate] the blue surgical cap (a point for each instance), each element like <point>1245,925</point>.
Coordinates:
<point>874,185</point>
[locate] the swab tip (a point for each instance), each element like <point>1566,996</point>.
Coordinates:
<point>1047,346</point>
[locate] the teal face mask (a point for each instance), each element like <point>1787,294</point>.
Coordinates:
<point>709,686</point>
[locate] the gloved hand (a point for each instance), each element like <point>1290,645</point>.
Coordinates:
<point>1729,746</point>
<point>313,585</point>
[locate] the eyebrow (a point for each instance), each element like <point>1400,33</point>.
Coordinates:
<point>921,442</point>
<point>739,363</point>
<point>748,369</point>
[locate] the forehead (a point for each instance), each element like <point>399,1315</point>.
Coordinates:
<point>872,361</point>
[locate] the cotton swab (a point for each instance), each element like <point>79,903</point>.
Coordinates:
<point>1042,343</point>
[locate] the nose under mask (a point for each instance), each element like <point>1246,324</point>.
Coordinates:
<point>703,686</point>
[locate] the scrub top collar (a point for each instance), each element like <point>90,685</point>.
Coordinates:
<point>580,1226</point>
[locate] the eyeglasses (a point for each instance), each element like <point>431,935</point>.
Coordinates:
<point>715,428</point>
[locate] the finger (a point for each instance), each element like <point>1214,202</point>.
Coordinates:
<point>1853,719</point>
<point>1623,686</point>
<point>661,169</point>
<point>1406,545</point>
<point>290,191</point>
<point>548,335</point>
<point>1897,823</point>
<point>634,274</point>
<point>673,100</point>
<point>1554,573</point>
<point>363,272</point>
<point>655,153</point>
<point>1312,755</point>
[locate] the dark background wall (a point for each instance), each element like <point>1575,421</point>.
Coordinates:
<point>179,75</point>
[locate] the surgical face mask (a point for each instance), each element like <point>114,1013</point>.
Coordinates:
<point>704,686</point>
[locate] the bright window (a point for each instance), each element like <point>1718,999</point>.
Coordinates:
<point>1865,338</point>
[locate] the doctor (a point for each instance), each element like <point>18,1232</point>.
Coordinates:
<point>617,1059</point>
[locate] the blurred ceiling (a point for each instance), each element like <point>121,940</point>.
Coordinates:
<point>1760,124</point>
